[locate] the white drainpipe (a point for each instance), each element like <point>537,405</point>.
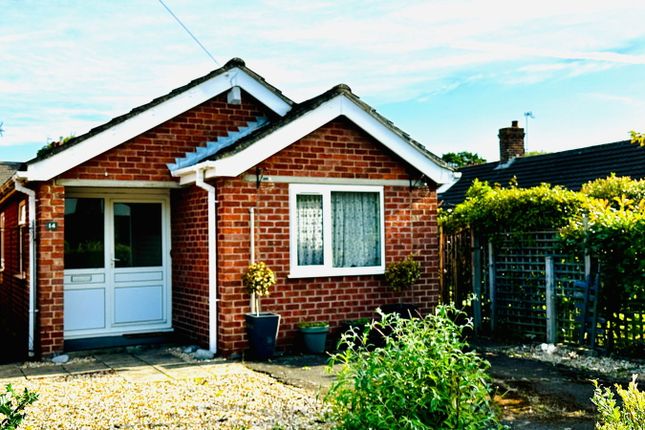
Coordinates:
<point>212,258</point>
<point>252,250</point>
<point>32,262</point>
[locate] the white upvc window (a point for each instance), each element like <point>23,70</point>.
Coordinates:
<point>22,213</point>
<point>336,230</point>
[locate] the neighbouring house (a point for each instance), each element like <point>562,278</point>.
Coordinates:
<point>570,169</point>
<point>146,223</point>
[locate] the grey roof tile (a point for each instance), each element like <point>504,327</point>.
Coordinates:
<point>569,169</point>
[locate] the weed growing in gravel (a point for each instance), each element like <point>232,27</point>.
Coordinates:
<point>12,407</point>
<point>420,379</point>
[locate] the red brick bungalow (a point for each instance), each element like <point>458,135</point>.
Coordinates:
<point>145,224</point>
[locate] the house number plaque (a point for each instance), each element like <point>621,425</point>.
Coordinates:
<point>51,225</point>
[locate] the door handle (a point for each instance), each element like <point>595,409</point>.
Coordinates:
<point>115,259</point>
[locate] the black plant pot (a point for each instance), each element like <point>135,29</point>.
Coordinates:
<point>262,331</point>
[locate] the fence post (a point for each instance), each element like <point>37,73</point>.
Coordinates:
<point>551,311</point>
<point>477,284</point>
<point>491,284</point>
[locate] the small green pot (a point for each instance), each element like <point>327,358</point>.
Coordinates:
<point>315,338</point>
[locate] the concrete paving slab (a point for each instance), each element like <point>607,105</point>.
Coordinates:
<point>44,372</point>
<point>121,361</point>
<point>10,371</point>
<point>158,358</point>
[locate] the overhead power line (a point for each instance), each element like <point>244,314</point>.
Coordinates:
<point>189,33</point>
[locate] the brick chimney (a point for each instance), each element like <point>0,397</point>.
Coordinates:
<point>511,142</point>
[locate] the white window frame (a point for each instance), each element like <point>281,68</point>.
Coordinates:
<point>22,213</point>
<point>327,268</point>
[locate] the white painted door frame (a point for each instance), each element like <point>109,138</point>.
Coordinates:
<point>87,289</point>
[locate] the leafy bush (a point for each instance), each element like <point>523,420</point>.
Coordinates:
<point>420,379</point>
<point>258,280</point>
<point>12,407</point>
<point>614,188</point>
<point>491,209</point>
<point>629,416</point>
<point>403,274</point>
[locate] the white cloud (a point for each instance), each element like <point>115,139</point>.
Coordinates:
<point>106,58</point>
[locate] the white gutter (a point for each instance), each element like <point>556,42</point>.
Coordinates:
<point>32,262</point>
<point>212,257</point>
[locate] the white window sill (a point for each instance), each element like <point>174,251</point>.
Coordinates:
<point>319,272</point>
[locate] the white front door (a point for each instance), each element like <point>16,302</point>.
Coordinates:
<point>116,265</point>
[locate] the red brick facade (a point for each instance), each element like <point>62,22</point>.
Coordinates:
<point>337,150</point>
<point>14,291</point>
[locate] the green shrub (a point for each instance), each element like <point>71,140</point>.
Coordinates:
<point>12,407</point>
<point>629,416</point>
<point>420,379</point>
<point>493,209</point>
<point>403,274</point>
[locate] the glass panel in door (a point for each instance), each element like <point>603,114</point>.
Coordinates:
<point>84,238</point>
<point>137,234</point>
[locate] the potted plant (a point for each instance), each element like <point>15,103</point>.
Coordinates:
<point>262,327</point>
<point>314,335</point>
<point>399,276</point>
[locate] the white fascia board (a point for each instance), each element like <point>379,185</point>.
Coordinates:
<point>260,91</point>
<point>114,136</point>
<point>396,143</point>
<point>340,105</point>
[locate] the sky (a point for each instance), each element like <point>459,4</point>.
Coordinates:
<point>448,72</point>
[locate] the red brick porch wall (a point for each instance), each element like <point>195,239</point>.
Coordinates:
<point>338,149</point>
<point>144,158</point>
<point>14,291</point>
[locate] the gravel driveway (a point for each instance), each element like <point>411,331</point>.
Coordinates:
<point>159,391</point>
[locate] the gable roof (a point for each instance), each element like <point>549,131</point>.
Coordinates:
<point>145,117</point>
<point>231,155</point>
<point>306,117</point>
<point>569,169</point>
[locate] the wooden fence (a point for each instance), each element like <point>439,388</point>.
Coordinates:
<point>524,287</point>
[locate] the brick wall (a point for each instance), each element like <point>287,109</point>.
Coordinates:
<point>190,264</point>
<point>144,158</point>
<point>338,149</point>
<point>14,292</point>
<point>50,266</point>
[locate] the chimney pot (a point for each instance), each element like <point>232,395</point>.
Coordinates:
<point>511,142</point>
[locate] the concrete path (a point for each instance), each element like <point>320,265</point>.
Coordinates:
<point>134,365</point>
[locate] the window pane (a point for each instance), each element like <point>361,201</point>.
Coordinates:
<point>309,213</point>
<point>356,235</point>
<point>137,234</point>
<point>84,239</point>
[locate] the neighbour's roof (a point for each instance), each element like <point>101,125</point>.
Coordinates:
<point>569,169</point>
<point>7,169</point>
